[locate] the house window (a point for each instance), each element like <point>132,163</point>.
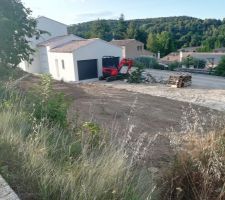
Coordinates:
<point>139,48</point>
<point>63,64</point>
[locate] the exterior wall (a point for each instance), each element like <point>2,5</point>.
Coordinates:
<point>44,61</point>
<point>132,50</point>
<point>212,59</point>
<point>39,64</point>
<point>35,66</point>
<point>67,74</point>
<point>54,28</point>
<point>96,50</point>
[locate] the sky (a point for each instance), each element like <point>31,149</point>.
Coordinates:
<point>77,11</point>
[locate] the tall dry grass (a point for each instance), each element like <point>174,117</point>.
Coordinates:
<point>51,163</point>
<point>198,171</point>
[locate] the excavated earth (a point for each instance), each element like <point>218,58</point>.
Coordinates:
<point>134,117</point>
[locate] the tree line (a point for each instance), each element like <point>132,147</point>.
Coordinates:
<point>165,34</point>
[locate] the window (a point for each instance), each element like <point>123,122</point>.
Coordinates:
<point>57,68</point>
<point>139,48</point>
<point>63,64</point>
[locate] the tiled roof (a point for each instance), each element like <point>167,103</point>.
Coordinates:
<point>54,40</point>
<point>190,49</point>
<point>123,42</point>
<point>72,46</point>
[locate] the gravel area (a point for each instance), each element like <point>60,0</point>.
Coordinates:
<point>6,193</point>
<point>206,90</point>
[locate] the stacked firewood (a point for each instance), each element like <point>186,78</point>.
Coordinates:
<point>180,80</point>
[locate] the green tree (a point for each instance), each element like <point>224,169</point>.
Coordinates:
<point>101,29</point>
<point>153,43</point>
<point>220,69</point>
<point>132,31</point>
<point>162,43</point>
<point>166,43</point>
<point>121,28</point>
<point>16,27</point>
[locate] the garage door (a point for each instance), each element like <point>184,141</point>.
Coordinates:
<point>87,69</point>
<point>110,61</point>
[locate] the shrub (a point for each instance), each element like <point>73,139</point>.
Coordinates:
<point>195,62</point>
<point>136,75</point>
<point>220,69</point>
<point>148,62</point>
<point>48,104</point>
<point>7,73</point>
<point>173,66</point>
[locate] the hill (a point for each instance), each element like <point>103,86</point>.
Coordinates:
<point>184,31</point>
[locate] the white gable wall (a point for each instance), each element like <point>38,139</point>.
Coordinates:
<point>58,73</point>
<point>40,58</point>
<point>96,50</point>
<point>53,27</point>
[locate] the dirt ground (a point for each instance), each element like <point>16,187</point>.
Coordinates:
<point>141,117</point>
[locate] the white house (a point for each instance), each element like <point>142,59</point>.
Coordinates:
<point>68,57</point>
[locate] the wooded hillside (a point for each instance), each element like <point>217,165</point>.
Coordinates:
<point>164,34</point>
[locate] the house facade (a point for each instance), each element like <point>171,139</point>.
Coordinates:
<point>132,48</point>
<point>212,58</point>
<point>68,57</point>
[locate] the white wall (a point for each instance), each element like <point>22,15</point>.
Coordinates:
<point>96,50</point>
<point>67,74</point>
<point>35,66</point>
<point>53,27</point>
<point>40,65</point>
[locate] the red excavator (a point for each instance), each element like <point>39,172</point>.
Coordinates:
<point>113,70</point>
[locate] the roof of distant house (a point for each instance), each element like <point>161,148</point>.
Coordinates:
<point>72,45</point>
<point>175,57</point>
<point>189,49</point>
<point>222,49</point>
<point>124,42</point>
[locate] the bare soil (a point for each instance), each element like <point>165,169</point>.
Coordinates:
<point>121,111</point>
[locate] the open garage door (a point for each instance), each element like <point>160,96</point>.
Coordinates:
<point>87,69</point>
<point>109,61</point>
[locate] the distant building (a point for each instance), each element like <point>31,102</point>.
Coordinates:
<point>212,59</point>
<point>189,49</point>
<point>219,50</point>
<point>132,48</point>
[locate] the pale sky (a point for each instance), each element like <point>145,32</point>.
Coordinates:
<point>76,11</point>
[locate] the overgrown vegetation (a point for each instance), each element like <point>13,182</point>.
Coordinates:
<point>147,62</point>
<point>199,168</point>
<point>136,75</point>
<point>6,73</point>
<point>44,158</point>
<point>220,69</point>
<point>174,65</point>
<point>194,62</point>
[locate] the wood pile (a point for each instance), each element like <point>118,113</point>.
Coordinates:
<point>180,80</point>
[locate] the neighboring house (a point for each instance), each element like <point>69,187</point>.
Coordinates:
<point>132,48</point>
<point>68,57</point>
<point>189,49</point>
<point>212,59</point>
<point>219,50</point>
